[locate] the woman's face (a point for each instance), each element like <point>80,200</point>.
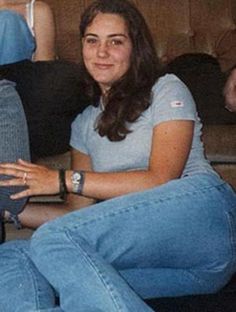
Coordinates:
<point>107,49</point>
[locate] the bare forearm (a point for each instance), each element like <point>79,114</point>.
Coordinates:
<point>108,185</point>
<point>35,214</point>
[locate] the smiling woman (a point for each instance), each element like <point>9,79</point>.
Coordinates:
<point>107,50</point>
<point>163,223</point>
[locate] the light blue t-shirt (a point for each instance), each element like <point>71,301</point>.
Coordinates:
<point>17,42</point>
<point>171,100</point>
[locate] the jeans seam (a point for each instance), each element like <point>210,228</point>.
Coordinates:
<point>141,203</point>
<point>99,273</point>
<point>194,276</point>
<point>232,233</point>
<point>34,280</point>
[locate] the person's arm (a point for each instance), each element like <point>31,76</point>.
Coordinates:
<point>171,145</point>
<point>230,92</point>
<point>35,214</point>
<point>80,161</point>
<point>44,28</point>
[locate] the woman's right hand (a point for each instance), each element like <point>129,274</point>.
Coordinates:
<point>39,180</point>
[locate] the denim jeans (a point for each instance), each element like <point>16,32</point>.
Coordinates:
<point>14,142</point>
<point>173,240</point>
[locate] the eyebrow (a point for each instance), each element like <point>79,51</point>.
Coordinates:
<point>109,36</point>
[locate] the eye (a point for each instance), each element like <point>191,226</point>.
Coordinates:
<point>90,40</point>
<point>116,42</point>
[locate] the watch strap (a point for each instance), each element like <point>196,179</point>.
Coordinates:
<point>62,184</point>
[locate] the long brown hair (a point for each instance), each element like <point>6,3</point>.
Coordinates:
<point>131,94</point>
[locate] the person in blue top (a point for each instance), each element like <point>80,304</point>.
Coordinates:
<point>27,31</point>
<point>163,220</point>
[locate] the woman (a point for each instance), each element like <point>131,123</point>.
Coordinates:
<point>165,223</point>
<point>27,31</point>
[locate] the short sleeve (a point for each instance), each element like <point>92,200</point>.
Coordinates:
<point>79,131</point>
<point>172,100</point>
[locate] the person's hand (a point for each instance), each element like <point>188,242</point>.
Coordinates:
<point>230,92</point>
<point>39,180</point>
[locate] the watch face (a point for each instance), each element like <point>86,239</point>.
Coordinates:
<point>76,178</point>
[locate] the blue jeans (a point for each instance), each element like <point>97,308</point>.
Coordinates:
<point>14,142</point>
<point>173,240</point>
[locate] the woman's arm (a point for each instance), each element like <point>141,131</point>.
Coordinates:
<point>171,145</point>
<point>80,161</point>
<point>44,28</point>
<point>35,214</point>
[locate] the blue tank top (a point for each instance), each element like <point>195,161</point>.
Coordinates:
<point>17,41</point>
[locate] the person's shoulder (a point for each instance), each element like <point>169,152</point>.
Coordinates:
<point>41,5</point>
<point>87,113</point>
<point>167,80</point>
<point>89,110</point>
<point>170,85</point>
<point>84,119</point>
<point>42,8</point>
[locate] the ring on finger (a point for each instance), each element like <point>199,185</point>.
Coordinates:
<point>24,178</point>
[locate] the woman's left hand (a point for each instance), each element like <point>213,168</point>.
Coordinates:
<point>39,180</point>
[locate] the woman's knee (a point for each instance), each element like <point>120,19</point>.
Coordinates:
<point>44,239</point>
<point>13,254</point>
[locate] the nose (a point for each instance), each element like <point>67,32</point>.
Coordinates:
<point>102,50</point>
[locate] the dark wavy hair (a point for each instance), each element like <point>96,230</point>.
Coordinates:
<point>131,94</point>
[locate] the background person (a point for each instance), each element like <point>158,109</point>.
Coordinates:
<point>230,91</point>
<point>27,31</point>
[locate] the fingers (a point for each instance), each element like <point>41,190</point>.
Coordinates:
<point>26,163</point>
<point>20,165</point>
<point>14,182</point>
<point>25,193</point>
<point>39,180</point>
<point>19,168</point>
<point>25,178</point>
<point>21,175</point>
<point>16,177</point>
<point>9,168</point>
<point>21,181</point>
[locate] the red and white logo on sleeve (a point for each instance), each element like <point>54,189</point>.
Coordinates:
<point>177,104</point>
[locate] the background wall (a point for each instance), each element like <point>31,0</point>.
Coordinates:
<point>178,26</point>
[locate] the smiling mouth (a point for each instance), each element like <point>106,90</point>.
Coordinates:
<point>103,66</point>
